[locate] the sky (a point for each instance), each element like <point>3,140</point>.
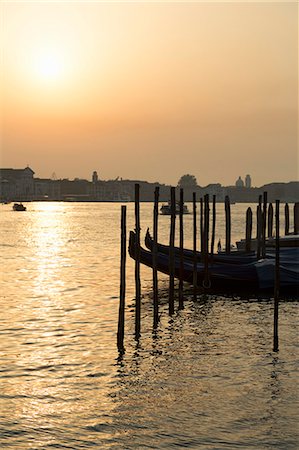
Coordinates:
<point>151,90</point>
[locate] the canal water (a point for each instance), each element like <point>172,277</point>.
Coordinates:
<point>206,379</point>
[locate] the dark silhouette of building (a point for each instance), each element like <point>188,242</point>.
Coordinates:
<point>16,184</point>
<point>239,182</point>
<point>248,181</point>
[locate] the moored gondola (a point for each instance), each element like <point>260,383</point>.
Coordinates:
<point>254,277</point>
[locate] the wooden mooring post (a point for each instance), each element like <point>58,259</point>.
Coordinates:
<point>270,220</point>
<point>277,278</point>
<point>121,312</point>
<point>227,225</point>
<point>206,281</point>
<point>213,225</point>
<point>137,263</point>
<point>201,226</point>
<point>264,224</point>
<point>194,248</point>
<point>155,251</point>
<point>286,219</point>
<point>181,244</point>
<point>248,235</point>
<point>171,251</point>
<point>296,218</point>
<point>259,227</point>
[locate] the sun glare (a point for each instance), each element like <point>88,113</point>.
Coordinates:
<point>49,68</point>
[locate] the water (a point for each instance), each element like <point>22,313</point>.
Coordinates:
<point>207,379</point>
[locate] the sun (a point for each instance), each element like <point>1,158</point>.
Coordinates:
<point>49,67</point>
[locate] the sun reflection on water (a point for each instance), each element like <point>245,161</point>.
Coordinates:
<point>50,252</point>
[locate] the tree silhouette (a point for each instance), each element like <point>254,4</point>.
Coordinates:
<point>187,181</point>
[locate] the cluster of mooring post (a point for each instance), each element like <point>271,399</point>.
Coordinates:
<point>264,229</point>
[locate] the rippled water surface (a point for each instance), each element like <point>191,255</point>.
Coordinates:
<point>207,378</point>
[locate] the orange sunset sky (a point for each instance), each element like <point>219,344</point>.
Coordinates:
<point>151,90</point>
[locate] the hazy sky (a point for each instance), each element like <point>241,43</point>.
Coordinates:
<point>151,90</point>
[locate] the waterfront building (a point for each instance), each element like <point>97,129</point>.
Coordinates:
<point>239,182</point>
<point>16,184</point>
<point>248,181</point>
<point>46,189</point>
<point>95,177</point>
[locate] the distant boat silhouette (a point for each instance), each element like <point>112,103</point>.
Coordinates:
<point>19,207</point>
<point>165,210</point>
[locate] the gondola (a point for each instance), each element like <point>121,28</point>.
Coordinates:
<point>251,278</point>
<point>234,257</point>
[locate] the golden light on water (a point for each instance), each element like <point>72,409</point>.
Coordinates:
<point>49,242</point>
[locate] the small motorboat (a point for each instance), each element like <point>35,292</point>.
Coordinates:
<point>19,207</point>
<point>165,209</point>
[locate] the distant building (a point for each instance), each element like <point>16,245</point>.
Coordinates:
<point>95,177</point>
<point>213,189</point>
<point>239,182</point>
<point>46,189</point>
<point>248,181</point>
<point>16,184</point>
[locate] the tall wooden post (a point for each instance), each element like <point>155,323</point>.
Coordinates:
<point>194,248</point>
<point>286,219</point>
<point>155,247</point>
<point>270,221</point>
<point>121,312</point>
<point>171,252</point>
<point>227,225</point>
<point>137,263</point>
<point>259,226</point>
<point>181,282</point>
<point>264,224</point>
<point>213,225</point>
<point>277,279</point>
<point>257,222</point>
<point>206,284</point>
<point>248,230</point>
<point>296,218</point>
<point>201,227</point>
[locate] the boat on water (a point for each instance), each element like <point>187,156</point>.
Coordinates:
<point>19,207</point>
<point>236,256</point>
<point>253,277</point>
<point>165,209</point>
<point>290,240</point>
